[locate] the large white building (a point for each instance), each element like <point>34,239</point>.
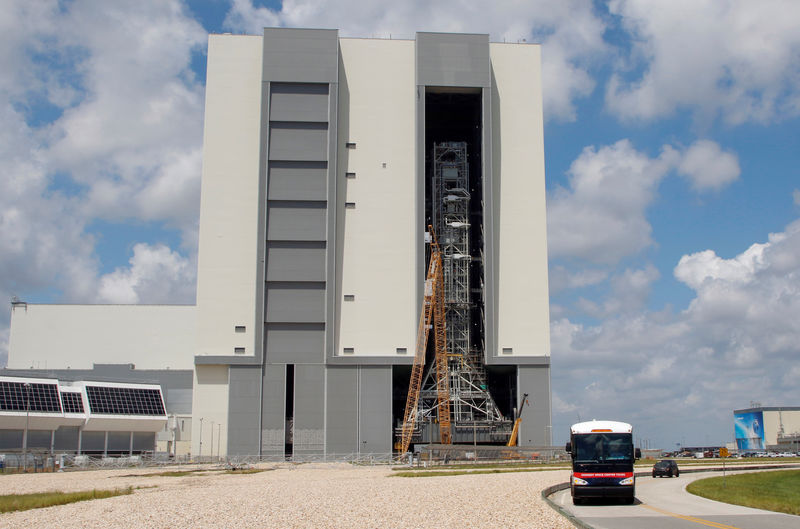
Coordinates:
<point>324,161</point>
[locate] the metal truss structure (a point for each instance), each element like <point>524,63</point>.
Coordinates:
<point>470,400</point>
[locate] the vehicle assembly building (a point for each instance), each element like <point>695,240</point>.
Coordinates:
<point>333,169</point>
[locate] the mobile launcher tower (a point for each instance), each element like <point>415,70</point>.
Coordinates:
<point>454,213</point>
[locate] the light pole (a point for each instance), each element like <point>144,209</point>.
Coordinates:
<point>27,421</point>
<point>212,440</point>
<point>200,455</point>
<point>219,434</point>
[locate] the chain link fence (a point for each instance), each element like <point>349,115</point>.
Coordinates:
<point>423,455</point>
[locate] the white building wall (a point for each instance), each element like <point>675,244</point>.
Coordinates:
<point>210,403</point>
<point>772,424</point>
<point>377,257</point>
<point>227,263</point>
<point>79,336</point>
<point>518,171</point>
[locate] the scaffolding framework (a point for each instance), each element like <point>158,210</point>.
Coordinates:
<point>470,401</point>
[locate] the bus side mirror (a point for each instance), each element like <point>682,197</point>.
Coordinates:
<point>638,453</point>
<point>568,447</point>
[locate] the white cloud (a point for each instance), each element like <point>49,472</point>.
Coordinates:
<point>736,342</point>
<point>707,167</point>
<point>570,31</point>
<point>601,217</point>
<point>156,275</point>
<point>122,139</point>
<point>735,58</point>
<point>561,278</point>
<point>629,293</point>
<point>135,139</point>
<point>696,268</point>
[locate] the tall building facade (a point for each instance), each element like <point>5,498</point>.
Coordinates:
<point>325,160</point>
<point>320,149</point>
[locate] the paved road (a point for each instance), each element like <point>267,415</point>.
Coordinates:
<point>663,503</point>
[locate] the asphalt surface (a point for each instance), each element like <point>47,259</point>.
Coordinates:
<point>663,503</point>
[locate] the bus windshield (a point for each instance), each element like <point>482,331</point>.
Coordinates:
<point>603,447</point>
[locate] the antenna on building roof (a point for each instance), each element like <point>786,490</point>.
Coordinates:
<point>16,302</point>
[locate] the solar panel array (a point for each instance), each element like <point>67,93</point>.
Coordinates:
<point>72,402</point>
<point>22,396</point>
<point>125,401</point>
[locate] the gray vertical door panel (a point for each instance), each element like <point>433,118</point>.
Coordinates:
<point>298,180</point>
<point>301,55</point>
<point>118,441</point>
<point>298,102</point>
<point>144,441</point>
<point>300,69</point>
<point>535,429</point>
<point>341,432</point>
<point>296,222</point>
<point>11,439</point>
<point>453,60</point>
<point>66,438</point>
<point>40,439</point>
<point>93,441</point>
<point>296,262</point>
<point>295,342</point>
<point>273,410</point>
<point>298,141</point>
<point>296,302</point>
<point>309,410</point>
<point>376,409</point>
<point>243,410</point>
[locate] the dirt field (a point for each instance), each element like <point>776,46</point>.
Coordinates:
<point>312,495</point>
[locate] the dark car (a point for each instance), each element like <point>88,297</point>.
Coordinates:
<point>666,467</point>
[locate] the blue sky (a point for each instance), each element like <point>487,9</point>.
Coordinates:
<point>672,158</point>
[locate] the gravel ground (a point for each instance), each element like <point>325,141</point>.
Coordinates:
<point>329,495</point>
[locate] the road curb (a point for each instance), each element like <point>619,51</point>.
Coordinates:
<point>546,493</point>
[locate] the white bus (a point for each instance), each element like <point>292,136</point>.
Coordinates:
<point>602,460</point>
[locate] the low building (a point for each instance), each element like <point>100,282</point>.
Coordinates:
<point>49,415</point>
<point>767,428</point>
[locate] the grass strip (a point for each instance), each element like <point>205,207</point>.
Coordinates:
<point>433,473</point>
<point>485,466</point>
<point>24,502</point>
<point>168,473</point>
<point>246,470</point>
<point>776,490</point>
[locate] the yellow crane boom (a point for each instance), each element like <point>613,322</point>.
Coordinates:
<point>512,441</point>
<point>432,315</point>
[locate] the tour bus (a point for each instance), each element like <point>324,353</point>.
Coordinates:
<point>602,460</point>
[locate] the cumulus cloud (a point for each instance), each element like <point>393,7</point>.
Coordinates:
<point>707,167</point>
<point>737,59</point>
<point>696,268</point>
<point>561,278</point>
<point>571,31</point>
<point>156,275</point>
<point>744,319</point>
<point>601,217</point>
<point>135,139</point>
<point>629,292</point>
<point>102,119</point>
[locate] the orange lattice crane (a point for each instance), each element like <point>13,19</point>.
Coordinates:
<point>432,316</point>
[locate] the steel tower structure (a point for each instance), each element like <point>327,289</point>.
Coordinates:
<point>470,400</point>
